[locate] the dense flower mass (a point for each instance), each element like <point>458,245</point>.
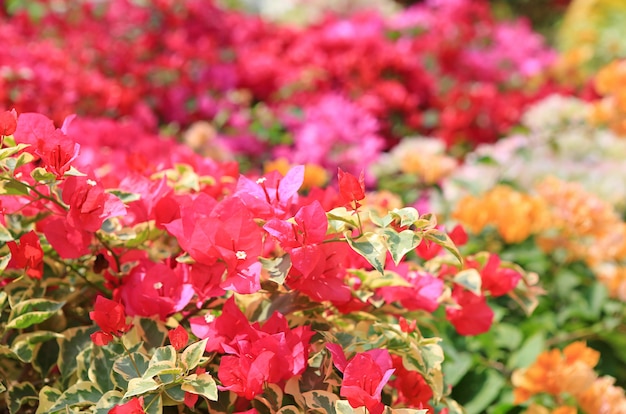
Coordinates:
<point>205,210</point>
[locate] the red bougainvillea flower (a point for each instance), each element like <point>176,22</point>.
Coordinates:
<point>111,318</point>
<point>178,337</point>
<point>364,376</point>
<point>472,316</point>
<point>428,249</point>
<point>8,122</point>
<point>134,406</point>
<point>496,280</point>
<point>413,391</point>
<point>351,189</point>
<point>27,255</point>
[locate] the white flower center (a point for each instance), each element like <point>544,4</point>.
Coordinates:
<point>91,182</point>
<point>158,285</point>
<point>261,180</point>
<point>241,255</point>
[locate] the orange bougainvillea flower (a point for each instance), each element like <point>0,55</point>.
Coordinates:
<point>603,397</point>
<point>515,215</point>
<point>555,372</point>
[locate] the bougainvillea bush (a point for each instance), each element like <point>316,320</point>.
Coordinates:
<point>442,68</point>
<point>140,277</point>
<point>550,198</point>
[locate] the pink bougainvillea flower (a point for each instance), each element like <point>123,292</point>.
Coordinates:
<point>89,204</point>
<point>495,279</point>
<point>27,255</point>
<point>364,376</point>
<point>68,241</point>
<point>134,406</point>
<point>273,195</point>
<point>227,240</point>
<point>51,145</point>
<point>111,318</point>
<point>472,316</point>
<point>255,354</point>
<point>178,337</point>
<point>155,289</point>
<point>424,292</point>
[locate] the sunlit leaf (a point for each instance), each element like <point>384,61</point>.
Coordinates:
<point>203,385</point>
<point>32,311</point>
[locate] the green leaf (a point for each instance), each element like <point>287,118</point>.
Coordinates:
<point>162,368</point>
<point>374,280</point>
<point>321,400</point>
<point>48,396</point>
<point>73,172</point>
<point>193,354</point>
<point>289,409</point>
<point>488,392</point>
<point>529,351</point>
<point>456,367</point>
<point>41,175</point>
<point>164,354</point>
<point>101,369</point>
<point>153,404</point>
<point>109,400</point>
<point>74,342</point>
<point>470,279</point>
<point>83,393</point>
<point>372,247</point>
<point>203,385</point>
<point>125,367</point>
<point>273,395</point>
<point>344,407</point>
<point>442,239</point>
<point>23,345</point>
<point>341,220</point>
<point>407,215</point>
<point>5,235</point>
<point>13,187</point>
<point>32,311</point>
<point>140,386</point>
<point>380,221</point>
<point>20,394</point>
<point>399,244</point>
<point>152,332</point>
<point>175,393</point>
<point>46,355</point>
<point>125,196</point>
<point>277,268</point>
<point>12,149</point>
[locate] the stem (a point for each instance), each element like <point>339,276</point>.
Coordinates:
<point>76,270</point>
<point>131,357</point>
<point>39,193</point>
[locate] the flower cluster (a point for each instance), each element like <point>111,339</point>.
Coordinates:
<point>273,281</point>
<point>569,373</point>
<point>243,72</point>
